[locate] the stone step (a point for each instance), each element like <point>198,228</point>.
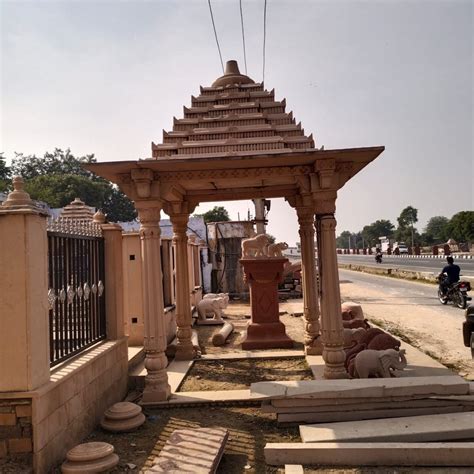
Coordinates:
<point>370,454</point>
<point>444,427</point>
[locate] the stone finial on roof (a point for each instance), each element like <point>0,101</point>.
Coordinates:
<point>77,210</point>
<point>232,76</point>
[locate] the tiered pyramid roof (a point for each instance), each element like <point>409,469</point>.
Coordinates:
<point>233,116</point>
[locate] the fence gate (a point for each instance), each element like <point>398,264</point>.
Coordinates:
<point>76,287</point>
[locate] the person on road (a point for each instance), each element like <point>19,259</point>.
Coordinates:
<point>452,273</point>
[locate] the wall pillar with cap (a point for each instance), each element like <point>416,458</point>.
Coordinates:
<point>24,321</point>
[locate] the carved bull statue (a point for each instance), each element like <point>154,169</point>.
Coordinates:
<point>255,246</point>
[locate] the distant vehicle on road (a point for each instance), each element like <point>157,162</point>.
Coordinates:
<point>402,247</point>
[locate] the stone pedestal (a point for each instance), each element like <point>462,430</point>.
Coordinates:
<point>90,457</point>
<point>265,331</point>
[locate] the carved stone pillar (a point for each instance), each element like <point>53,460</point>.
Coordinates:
<point>156,381</point>
<point>184,348</point>
<point>312,339</point>
<point>331,318</point>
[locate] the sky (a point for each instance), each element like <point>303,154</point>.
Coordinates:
<point>105,77</point>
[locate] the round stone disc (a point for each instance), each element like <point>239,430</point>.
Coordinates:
<point>89,451</point>
<point>123,410</point>
<point>89,467</point>
<point>118,426</point>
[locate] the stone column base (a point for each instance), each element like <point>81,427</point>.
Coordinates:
<point>266,336</point>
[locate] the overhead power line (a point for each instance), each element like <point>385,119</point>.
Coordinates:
<point>215,33</point>
<point>243,34</point>
<point>264,36</point>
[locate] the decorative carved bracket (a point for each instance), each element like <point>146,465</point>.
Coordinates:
<point>142,179</point>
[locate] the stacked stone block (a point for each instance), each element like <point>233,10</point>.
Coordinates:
<point>15,427</point>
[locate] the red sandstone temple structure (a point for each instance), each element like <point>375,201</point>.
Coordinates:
<point>237,142</point>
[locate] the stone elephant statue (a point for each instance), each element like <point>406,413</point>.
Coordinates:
<point>275,250</point>
<point>212,306</point>
<point>224,296</point>
<point>255,246</point>
<point>371,363</point>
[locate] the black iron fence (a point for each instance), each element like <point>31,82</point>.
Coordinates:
<point>76,287</point>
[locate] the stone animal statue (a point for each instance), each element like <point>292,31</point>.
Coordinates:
<point>356,323</point>
<point>351,352</point>
<point>384,341</point>
<point>255,246</point>
<point>275,250</point>
<point>352,309</point>
<point>352,337</point>
<point>224,296</point>
<point>370,363</point>
<point>370,334</point>
<point>212,306</point>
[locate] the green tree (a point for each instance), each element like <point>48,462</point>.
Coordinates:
<point>5,174</point>
<point>436,230</point>
<point>216,214</point>
<point>461,226</point>
<point>58,190</point>
<point>117,207</point>
<point>406,221</point>
<point>345,237</point>
<point>58,177</point>
<point>379,228</point>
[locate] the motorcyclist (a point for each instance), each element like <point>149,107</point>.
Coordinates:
<point>378,255</point>
<point>452,272</point>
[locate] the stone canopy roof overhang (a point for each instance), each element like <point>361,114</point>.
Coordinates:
<point>235,177</point>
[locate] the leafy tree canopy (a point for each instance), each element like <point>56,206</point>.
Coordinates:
<point>380,228</point>
<point>58,177</point>
<point>408,217</point>
<point>461,226</point>
<point>5,174</point>
<point>216,214</point>
<point>436,230</point>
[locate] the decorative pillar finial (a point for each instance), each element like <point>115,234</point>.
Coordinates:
<point>19,198</point>
<point>99,217</point>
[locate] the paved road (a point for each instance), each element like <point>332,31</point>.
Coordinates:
<point>432,265</point>
<point>414,310</point>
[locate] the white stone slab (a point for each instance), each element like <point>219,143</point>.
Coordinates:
<point>445,427</point>
<point>443,385</point>
<point>358,415</point>
<point>294,469</point>
<point>197,398</point>
<point>371,454</point>
<point>368,404</point>
<point>176,371</point>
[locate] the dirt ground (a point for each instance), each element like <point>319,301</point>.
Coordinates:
<point>249,428</point>
<point>239,374</point>
<point>239,315</point>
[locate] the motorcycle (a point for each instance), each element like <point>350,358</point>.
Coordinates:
<point>457,292</point>
<point>378,258</point>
